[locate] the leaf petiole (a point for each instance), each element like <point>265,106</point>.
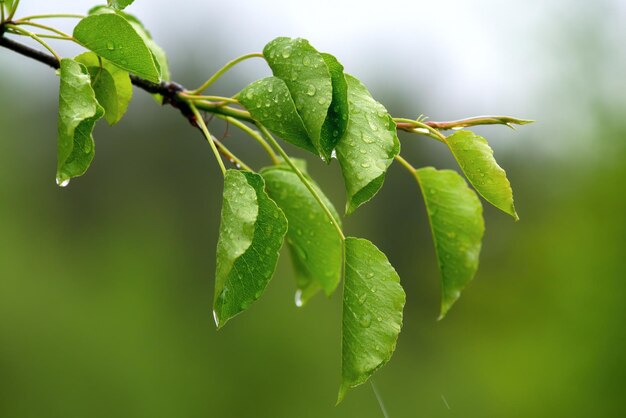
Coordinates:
<point>254,134</point>
<point>36,38</point>
<point>223,70</point>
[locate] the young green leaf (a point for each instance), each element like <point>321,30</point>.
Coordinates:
<point>114,38</point>
<point>336,121</point>
<point>111,84</point>
<point>475,157</point>
<point>316,248</point>
<point>306,75</point>
<point>251,233</point>
<point>8,4</point>
<point>78,113</point>
<point>368,146</point>
<point>457,225</point>
<point>120,4</point>
<point>269,102</point>
<point>373,300</point>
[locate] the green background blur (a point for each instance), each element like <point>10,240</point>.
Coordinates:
<point>106,285</point>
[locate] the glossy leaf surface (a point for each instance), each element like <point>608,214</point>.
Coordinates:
<point>373,300</point>
<point>456,221</point>
<point>336,121</point>
<point>368,147</point>
<point>78,113</point>
<point>110,83</point>
<point>112,37</point>
<point>475,157</point>
<point>316,248</point>
<point>251,233</point>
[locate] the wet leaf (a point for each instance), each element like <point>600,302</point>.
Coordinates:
<point>316,247</point>
<point>456,221</point>
<point>475,157</point>
<point>120,4</point>
<point>368,146</point>
<point>268,100</point>
<point>111,84</point>
<point>251,233</point>
<point>373,300</point>
<point>78,113</point>
<point>336,121</point>
<point>112,37</point>
<point>306,75</point>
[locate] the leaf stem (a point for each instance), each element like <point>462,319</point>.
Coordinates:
<point>45,27</point>
<point>53,16</point>
<point>12,11</point>
<point>479,120</point>
<point>222,70</point>
<point>220,109</point>
<point>208,136</point>
<point>405,164</point>
<point>254,134</point>
<point>415,126</point>
<point>36,38</point>
<point>220,99</point>
<point>303,179</point>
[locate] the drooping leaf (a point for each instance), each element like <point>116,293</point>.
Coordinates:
<point>120,4</point>
<point>475,157</point>
<point>456,221</point>
<point>112,37</point>
<point>268,100</point>
<point>373,300</point>
<point>368,146</point>
<point>111,84</point>
<point>316,248</point>
<point>337,118</point>
<point>306,75</point>
<point>251,233</point>
<point>78,113</point>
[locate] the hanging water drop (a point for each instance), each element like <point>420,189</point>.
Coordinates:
<point>110,46</point>
<point>62,183</point>
<point>298,298</point>
<point>311,90</point>
<point>216,319</point>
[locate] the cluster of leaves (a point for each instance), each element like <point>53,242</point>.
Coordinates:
<point>310,102</point>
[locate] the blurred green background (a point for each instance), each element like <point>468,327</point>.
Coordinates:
<point>106,285</point>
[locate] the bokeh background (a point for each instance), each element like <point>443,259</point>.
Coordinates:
<point>106,285</point>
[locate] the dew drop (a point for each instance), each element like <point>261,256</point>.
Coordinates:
<point>311,90</point>
<point>270,88</point>
<point>249,94</point>
<point>298,298</point>
<point>365,321</point>
<point>216,319</point>
<point>110,46</point>
<point>306,61</point>
<point>322,100</point>
<point>62,183</point>
<point>333,154</point>
<point>286,53</point>
<point>365,165</point>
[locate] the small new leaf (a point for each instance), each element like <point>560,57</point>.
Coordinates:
<point>373,300</point>
<point>306,75</point>
<point>111,84</point>
<point>316,248</point>
<point>475,157</point>
<point>368,146</point>
<point>251,233</point>
<point>456,221</point>
<point>112,37</point>
<point>78,113</point>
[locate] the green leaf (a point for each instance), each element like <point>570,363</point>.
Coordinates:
<point>111,84</point>
<point>268,100</point>
<point>475,157</point>
<point>336,121</point>
<point>114,38</point>
<point>368,147</point>
<point>373,300</point>
<point>78,113</point>
<point>316,248</point>
<point>306,75</point>
<point>8,4</point>
<point>251,233</point>
<point>120,4</point>
<point>457,225</point>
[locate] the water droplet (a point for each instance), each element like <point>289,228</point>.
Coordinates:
<point>457,128</point>
<point>298,298</point>
<point>216,319</point>
<point>333,154</point>
<point>110,46</point>
<point>335,133</point>
<point>286,53</point>
<point>365,321</point>
<point>272,54</point>
<point>365,165</point>
<point>371,122</point>
<point>245,304</point>
<point>362,298</point>
<point>322,100</point>
<point>123,62</point>
<point>62,183</point>
<point>311,90</point>
<point>306,61</point>
<point>249,94</point>
<point>270,88</point>
<point>373,289</point>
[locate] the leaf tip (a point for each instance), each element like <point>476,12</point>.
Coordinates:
<point>342,393</point>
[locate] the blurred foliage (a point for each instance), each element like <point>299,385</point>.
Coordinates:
<point>105,286</point>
